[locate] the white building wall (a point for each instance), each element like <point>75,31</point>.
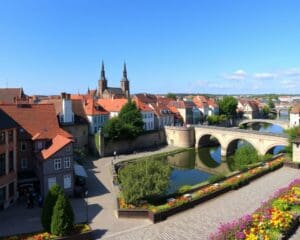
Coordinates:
<point>294,119</point>
<point>296,152</point>
<point>148,119</point>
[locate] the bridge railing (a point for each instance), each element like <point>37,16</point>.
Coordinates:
<point>236,129</point>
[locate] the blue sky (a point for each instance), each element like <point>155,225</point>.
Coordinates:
<point>200,46</point>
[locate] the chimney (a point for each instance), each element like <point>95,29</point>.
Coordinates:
<point>63,95</point>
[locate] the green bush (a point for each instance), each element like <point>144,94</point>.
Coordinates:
<point>184,188</point>
<point>63,217</point>
<point>244,156</point>
<point>216,178</point>
<point>144,179</point>
<point>49,204</point>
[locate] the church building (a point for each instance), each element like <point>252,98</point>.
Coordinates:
<point>106,92</point>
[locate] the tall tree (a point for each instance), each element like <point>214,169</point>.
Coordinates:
<point>228,106</point>
<point>63,217</point>
<point>48,207</point>
<point>128,125</point>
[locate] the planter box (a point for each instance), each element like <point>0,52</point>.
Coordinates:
<point>80,236</point>
<point>292,229</point>
<point>133,213</point>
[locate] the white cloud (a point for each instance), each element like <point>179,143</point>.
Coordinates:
<point>264,75</point>
<point>292,72</point>
<point>237,75</point>
<point>288,84</point>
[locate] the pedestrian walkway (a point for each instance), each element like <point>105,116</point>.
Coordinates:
<point>200,221</point>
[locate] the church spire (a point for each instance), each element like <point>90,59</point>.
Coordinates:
<point>102,76</point>
<point>124,71</point>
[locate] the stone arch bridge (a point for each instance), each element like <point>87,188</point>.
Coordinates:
<point>281,123</point>
<point>229,137</point>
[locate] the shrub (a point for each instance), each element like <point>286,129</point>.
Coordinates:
<point>63,217</point>
<point>216,178</point>
<point>144,179</point>
<point>49,204</point>
<point>184,188</point>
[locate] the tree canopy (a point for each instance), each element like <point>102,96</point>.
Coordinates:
<point>63,217</point>
<point>127,125</point>
<point>49,204</point>
<point>144,179</point>
<point>228,106</point>
<point>292,133</point>
<point>172,96</point>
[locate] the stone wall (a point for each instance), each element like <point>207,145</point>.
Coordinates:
<point>180,136</point>
<point>147,140</point>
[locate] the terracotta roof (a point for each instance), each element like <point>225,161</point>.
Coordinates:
<point>39,120</point>
<point>112,105</point>
<point>142,106</point>
<point>200,101</point>
<point>146,98</point>
<point>8,95</point>
<point>58,142</point>
<point>55,101</point>
<point>91,107</point>
<point>212,102</point>
<point>296,108</point>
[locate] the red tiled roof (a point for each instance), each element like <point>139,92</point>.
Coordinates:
<point>146,98</point>
<point>296,108</point>
<point>200,101</point>
<point>112,105</point>
<point>91,107</point>
<point>142,106</point>
<point>8,95</point>
<point>39,120</point>
<point>58,142</point>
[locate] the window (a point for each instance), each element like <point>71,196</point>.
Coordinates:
<point>2,137</point>
<point>2,164</point>
<point>39,145</point>
<point>67,181</point>
<point>24,163</point>
<point>67,162</point>
<point>11,161</point>
<point>10,135</point>
<point>23,146</point>
<point>51,182</point>
<point>57,164</point>
<point>11,189</point>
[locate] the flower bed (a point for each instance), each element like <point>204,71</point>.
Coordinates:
<point>196,196</point>
<point>81,231</point>
<point>275,219</point>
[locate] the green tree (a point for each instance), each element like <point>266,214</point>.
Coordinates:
<point>144,179</point>
<point>271,103</point>
<point>266,111</point>
<point>128,125</point>
<point>292,133</point>
<point>172,96</point>
<point>228,106</point>
<point>245,155</point>
<point>49,204</point>
<point>63,217</point>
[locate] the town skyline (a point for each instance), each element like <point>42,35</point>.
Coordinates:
<point>230,47</point>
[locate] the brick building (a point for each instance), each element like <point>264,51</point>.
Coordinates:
<point>8,164</point>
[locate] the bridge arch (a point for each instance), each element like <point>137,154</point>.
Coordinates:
<point>232,145</point>
<point>205,140</point>
<point>271,147</point>
<point>282,124</point>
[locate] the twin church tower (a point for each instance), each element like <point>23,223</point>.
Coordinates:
<point>110,92</point>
